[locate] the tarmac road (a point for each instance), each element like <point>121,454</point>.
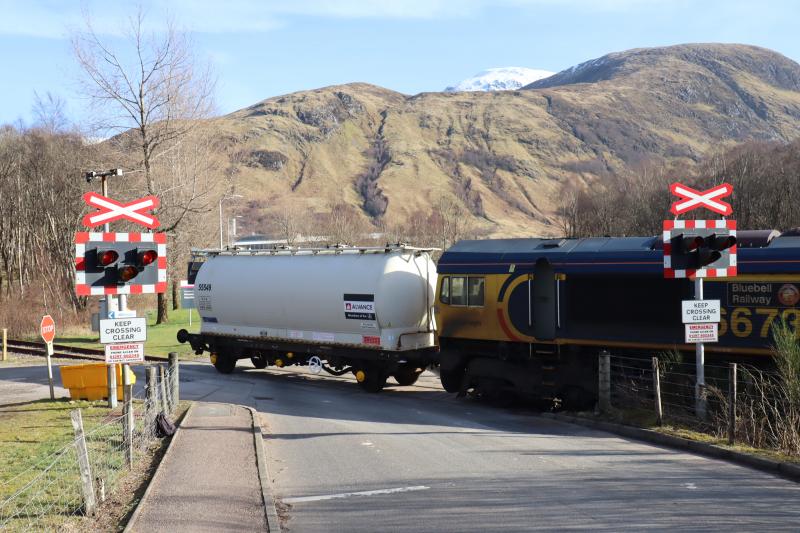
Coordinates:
<point>418,459</point>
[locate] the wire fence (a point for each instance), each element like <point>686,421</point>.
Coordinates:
<point>71,482</point>
<point>741,403</point>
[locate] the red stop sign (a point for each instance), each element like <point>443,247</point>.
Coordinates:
<point>47,328</point>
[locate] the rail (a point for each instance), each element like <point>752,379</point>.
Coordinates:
<point>62,351</point>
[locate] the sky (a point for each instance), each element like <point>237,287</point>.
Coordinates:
<point>264,48</point>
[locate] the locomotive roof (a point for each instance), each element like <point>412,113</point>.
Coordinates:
<point>758,251</point>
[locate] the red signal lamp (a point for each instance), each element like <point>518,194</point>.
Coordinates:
<point>127,273</point>
<point>147,257</point>
<point>690,243</point>
<point>108,257</point>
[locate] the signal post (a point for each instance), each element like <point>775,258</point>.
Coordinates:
<point>699,249</point>
<point>117,264</point>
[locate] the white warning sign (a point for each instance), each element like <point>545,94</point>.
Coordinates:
<point>701,333</point>
<point>132,352</point>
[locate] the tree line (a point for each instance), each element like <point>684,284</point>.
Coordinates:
<point>766,193</point>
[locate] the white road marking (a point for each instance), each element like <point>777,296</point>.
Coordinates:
<point>366,443</point>
<point>690,486</point>
<point>349,494</point>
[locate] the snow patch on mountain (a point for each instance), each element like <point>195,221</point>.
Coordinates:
<point>500,79</point>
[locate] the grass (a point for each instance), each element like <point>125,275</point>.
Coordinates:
<point>38,465</point>
<point>160,338</point>
<point>647,420</point>
<point>31,435</point>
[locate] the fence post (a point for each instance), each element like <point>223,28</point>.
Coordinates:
<point>604,385</point>
<point>151,399</point>
<point>127,414</point>
<point>5,344</point>
<point>162,389</point>
<point>174,379</point>
<point>732,371</point>
<point>87,487</point>
<point>657,391</point>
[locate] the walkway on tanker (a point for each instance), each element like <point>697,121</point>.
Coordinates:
<point>209,478</point>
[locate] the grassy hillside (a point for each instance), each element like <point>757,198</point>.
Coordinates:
<point>506,157</point>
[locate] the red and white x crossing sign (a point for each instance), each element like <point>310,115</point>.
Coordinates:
<point>692,199</point>
<point>111,210</point>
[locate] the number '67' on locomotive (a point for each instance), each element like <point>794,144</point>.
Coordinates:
<point>364,310</point>
<point>530,315</point>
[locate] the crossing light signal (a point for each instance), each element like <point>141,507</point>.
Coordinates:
<point>147,257</point>
<point>120,263</point>
<point>689,243</point>
<point>107,257</point>
<point>699,248</point>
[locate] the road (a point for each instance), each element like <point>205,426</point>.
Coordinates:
<point>418,459</point>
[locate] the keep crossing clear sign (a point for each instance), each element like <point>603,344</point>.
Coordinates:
<point>123,330</point>
<point>700,311</point>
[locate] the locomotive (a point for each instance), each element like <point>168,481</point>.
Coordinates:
<point>520,316</point>
<point>529,316</point>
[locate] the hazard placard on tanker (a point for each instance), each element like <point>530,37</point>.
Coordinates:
<point>123,330</point>
<point>359,306</point>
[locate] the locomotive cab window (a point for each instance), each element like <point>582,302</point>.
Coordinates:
<point>475,293</point>
<point>444,291</point>
<point>458,291</point>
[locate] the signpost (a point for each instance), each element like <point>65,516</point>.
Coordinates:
<point>187,297</point>
<point>106,264</point>
<point>47,329</point>
<point>698,249</point>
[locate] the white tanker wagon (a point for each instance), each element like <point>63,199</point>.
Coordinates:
<point>365,310</point>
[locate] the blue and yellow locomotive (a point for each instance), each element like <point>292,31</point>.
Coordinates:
<point>530,315</point>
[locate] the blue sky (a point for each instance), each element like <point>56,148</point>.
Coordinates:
<point>266,48</point>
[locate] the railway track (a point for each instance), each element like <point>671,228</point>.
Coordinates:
<point>62,351</point>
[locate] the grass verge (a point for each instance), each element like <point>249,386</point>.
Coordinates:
<point>647,420</point>
<point>160,338</point>
<point>31,436</point>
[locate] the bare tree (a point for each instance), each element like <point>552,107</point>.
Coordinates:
<point>289,224</point>
<point>154,100</point>
<point>343,225</point>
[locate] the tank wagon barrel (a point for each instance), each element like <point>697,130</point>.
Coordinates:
<point>365,310</point>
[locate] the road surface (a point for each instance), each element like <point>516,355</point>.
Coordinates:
<point>418,459</point>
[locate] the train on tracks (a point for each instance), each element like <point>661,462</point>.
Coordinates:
<point>521,316</point>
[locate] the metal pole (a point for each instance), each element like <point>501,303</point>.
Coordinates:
<point>700,354</point>
<point>127,419</point>
<point>110,302</point>
<point>104,189</point>
<point>50,369</point>
<point>112,385</point>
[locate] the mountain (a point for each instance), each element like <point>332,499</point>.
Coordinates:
<point>506,156</point>
<point>499,79</point>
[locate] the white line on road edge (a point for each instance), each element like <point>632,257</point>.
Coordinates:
<point>348,494</point>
